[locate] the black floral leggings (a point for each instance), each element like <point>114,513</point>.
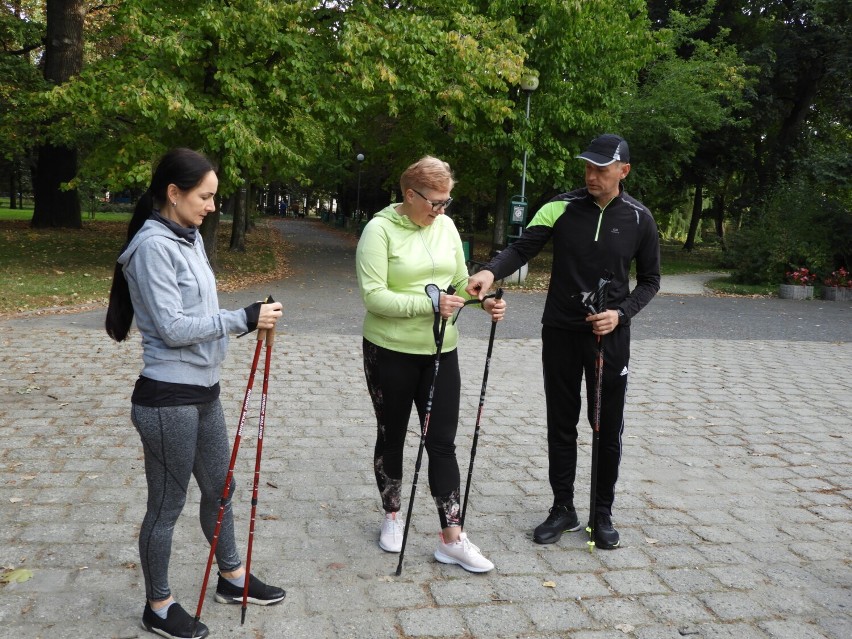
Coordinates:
<point>395,381</point>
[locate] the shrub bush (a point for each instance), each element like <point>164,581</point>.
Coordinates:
<point>794,229</point>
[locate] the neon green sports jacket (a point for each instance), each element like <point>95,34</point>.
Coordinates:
<point>395,260</point>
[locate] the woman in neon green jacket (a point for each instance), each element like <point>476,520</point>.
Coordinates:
<point>404,247</point>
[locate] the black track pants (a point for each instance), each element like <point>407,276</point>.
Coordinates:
<point>566,356</point>
<point>395,381</point>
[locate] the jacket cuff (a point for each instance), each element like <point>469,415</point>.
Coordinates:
<point>252,316</point>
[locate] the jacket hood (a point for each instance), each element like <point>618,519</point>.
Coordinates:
<point>151,228</point>
<point>390,213</point>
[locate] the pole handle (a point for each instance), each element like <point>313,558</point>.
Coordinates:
<point>267,334</point>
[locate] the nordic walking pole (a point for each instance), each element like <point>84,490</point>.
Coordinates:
<point>269,335</point>
<point>226,491</point>
<point>498,296</point>
<point>598,305</point>
<point>434,294</point>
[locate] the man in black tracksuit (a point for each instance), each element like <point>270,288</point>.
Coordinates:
<point>596,229</point>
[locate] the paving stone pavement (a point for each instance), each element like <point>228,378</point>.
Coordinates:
<point>733,502</point>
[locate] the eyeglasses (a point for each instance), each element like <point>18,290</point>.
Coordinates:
<point>436,206</point>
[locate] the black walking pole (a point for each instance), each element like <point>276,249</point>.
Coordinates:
<point>269,335</point>
<point>226,491</point>
<point>597,304</point>
<point>434,294</point>
<point>498,296</point>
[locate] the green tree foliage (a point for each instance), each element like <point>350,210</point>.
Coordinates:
<point>774,138</point>
<point>587,56</point>
<point>721,103</point>
<point>799,134</point>
<point>225,78</point>
<point>22,27</point>
<point>286,91</point>
<point>20,41</point>
<point>446,82</point>
<point>692,92</point>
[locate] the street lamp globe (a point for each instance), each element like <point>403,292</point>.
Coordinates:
<point>529,82</point>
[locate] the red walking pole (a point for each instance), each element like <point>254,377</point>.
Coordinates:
<point>269,333</point>
<point>226,491</point>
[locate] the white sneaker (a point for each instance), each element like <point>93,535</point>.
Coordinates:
<point>393,527</point>
<point>463,553</point>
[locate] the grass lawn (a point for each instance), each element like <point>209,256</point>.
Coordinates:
<point>49,268</point>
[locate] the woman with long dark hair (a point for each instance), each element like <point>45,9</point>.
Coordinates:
<point>163,279</point>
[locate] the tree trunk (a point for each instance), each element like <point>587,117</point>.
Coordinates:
<point>719,217</point>
<point>697,207</point>
<point>498,241</point>
<point>209,230</point>
<point>238,228</point>
<point>13,188</point>
<point>57,164</point>
<point>251,207</point>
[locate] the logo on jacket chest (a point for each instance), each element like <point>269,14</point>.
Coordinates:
<point>614,230</point>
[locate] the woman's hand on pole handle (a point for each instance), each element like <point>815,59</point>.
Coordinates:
<point>497,308</point>
<point>450,304</point>
<point>269,315</point>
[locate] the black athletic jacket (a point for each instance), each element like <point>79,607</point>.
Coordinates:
<point>587,242</point>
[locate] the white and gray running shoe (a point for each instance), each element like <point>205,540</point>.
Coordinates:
<point>464,553</point>
<point>393,527</point>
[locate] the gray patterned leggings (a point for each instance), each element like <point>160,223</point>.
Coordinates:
<point>180,441</point>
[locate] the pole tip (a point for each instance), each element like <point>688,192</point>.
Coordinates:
<point>243,616</point>
<point>399,570</point>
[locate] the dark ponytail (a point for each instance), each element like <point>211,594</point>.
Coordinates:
<point>185,169</point>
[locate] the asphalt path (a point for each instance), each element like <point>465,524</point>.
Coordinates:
<point>321,296</point>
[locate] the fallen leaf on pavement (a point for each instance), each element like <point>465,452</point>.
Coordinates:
<point>16,575</point>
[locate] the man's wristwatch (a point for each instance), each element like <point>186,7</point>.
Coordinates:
<point>620,315</point>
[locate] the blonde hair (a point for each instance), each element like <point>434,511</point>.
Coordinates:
<point>427,173</point>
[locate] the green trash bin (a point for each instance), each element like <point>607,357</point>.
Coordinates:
<point>517,218</point>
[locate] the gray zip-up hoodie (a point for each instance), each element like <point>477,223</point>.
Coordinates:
<point>173,289</point>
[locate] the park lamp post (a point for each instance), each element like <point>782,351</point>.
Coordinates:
<point>529,83</point>
<point>518,205</point>
<point>360,158</point>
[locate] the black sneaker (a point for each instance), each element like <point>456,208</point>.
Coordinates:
<point>258,593</point>
<point>606,536</point>
<point>177,624</point>
<point>561,519</point>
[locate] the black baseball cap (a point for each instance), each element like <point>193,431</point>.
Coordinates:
<point>606,149</point>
